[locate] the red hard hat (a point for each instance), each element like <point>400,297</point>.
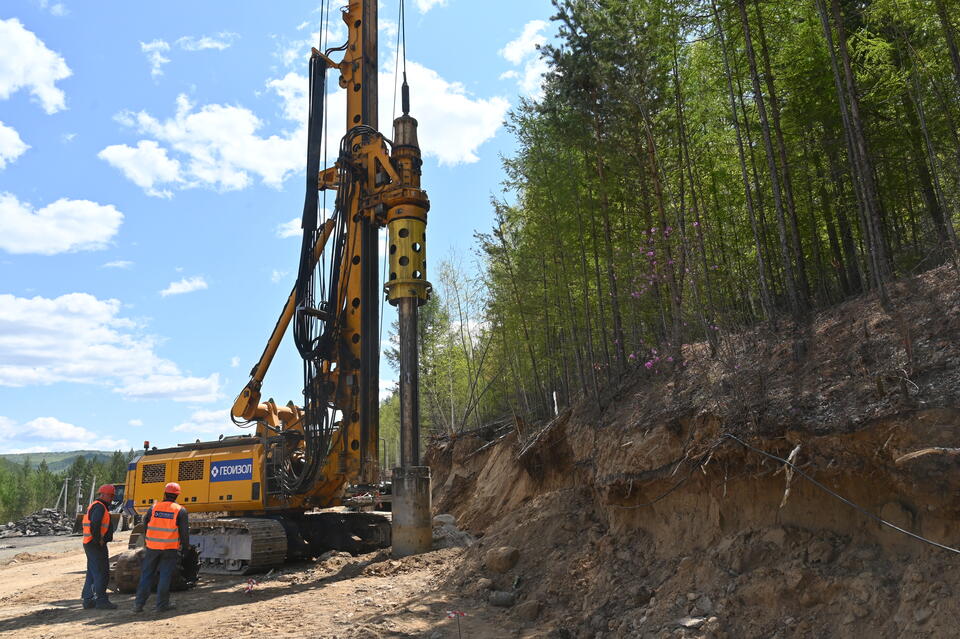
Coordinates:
<point>108,489</point>
<point>173,488</point>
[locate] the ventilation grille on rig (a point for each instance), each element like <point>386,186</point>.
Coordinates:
<point>153,473</point>
<point>190,470</point>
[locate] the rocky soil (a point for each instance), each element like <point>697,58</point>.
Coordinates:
<point>644,517</point>
<point>47,521</point>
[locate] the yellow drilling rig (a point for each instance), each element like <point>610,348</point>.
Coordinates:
<point>251,497</point>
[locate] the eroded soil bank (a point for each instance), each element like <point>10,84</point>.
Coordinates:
<point>642,517</point>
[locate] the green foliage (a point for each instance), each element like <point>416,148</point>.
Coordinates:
<point>27,486</point>
<point>630,225</point>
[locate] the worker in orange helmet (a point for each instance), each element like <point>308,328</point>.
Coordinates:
<point>167,533</point>
<point>97,532</point>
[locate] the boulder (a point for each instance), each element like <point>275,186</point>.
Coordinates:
<point>501,559</point>
<point>528,611</point>
<point>502,598</point>
<point>444,520</point>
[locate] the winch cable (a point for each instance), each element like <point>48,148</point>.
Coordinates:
<point>835,495</point>
<point>701,459</point>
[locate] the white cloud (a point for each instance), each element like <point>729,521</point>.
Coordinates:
<point>221,146</point>
<point>208,422</point>
<point>45,434</point>
<point>136,422</point>
<point>78,338</point>
<point>68,137</point>
<point>292,89</point>
<point>426,5</point>
<point>387,386</point>
<point>11,146</point>
<point>57,9</point>
<point>155,50</point>
<point>146,165</point>
<point>7,427</point>
<point>118,264</point>
<point>220,41</point>
<point>290,228</point>
<point>296,53</point>
<point>234,361</point>
<point>65,225</point>
<point>389,29</point>
<point>523,52</point>
<point>53,428</point>
<point>185,285</point>
<point>458,123</point>
<point>277,276</point>
<point>27,63</point>
<point>526,43</point>
<point>175,386</point>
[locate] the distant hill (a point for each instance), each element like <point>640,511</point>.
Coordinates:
<point>56,461</point>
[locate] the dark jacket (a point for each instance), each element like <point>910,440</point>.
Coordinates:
<point>182,525</point>
<point>97,513</point>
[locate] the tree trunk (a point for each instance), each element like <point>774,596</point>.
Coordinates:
<point>794,226</point>
<point>950,37</point>
<point>790,285</point>
<point>879,259</point>
<point>765,299</point>
<point>930,200</point>
<point>621,356</point>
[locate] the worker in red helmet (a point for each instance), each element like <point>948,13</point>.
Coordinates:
<point>167,533</point>
<point>97,532</point>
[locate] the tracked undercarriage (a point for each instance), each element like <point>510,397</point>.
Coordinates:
<point>244,545</point>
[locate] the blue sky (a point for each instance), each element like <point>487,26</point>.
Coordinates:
<point>151,162</point>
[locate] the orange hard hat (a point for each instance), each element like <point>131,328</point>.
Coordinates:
<point>107,489</point>
<point>173,488</point>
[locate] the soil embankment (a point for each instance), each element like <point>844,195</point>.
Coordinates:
<point>645,518</point>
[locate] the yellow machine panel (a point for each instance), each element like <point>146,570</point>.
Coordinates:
<point>227,478</point>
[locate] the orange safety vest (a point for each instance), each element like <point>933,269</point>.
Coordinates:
<point>104,523</point>
<point>162,530</point>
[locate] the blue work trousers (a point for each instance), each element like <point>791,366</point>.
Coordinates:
<point>98,572</point>
<point>162,562</point>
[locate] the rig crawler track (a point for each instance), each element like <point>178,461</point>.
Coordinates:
<point>239,545</point>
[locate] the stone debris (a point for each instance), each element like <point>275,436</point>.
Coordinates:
<point>691,622</point>
<point>501,559</point>
<point>447,535</point>
<point>444,520</point>
<point>528,610</point>
<point>502,598</point>
<point>47,521</point>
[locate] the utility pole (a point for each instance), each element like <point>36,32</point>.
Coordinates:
<point>79,495</point>
<point>56,506</point>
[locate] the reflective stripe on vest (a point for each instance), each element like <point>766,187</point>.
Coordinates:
<point>104,523</point>
<point>162,531</point>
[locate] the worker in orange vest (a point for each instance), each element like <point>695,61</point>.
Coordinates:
<point>167,532</point>
<point>97,531</point>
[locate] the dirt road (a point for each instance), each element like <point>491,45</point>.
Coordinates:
<point>45,545</point>
<point>345,597</point>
